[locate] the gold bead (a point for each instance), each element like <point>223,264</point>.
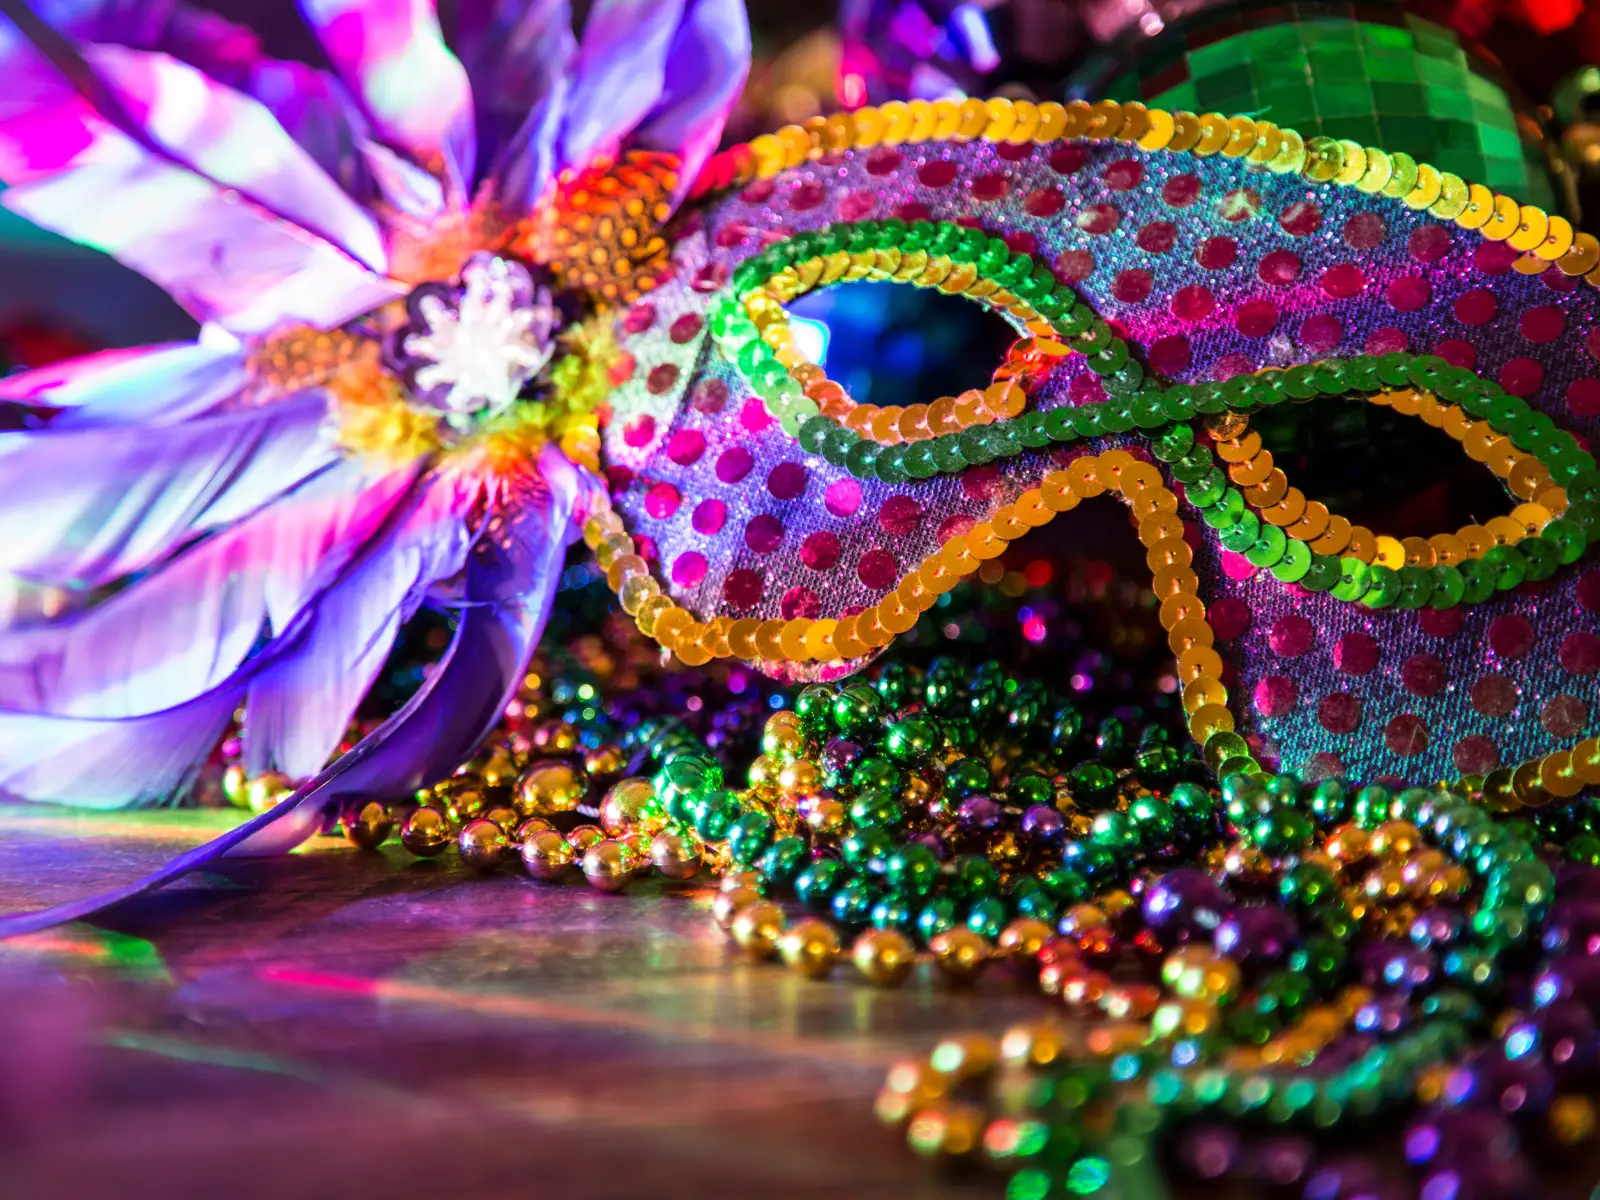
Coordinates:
<point>368,823</point>
<point>465,804</point>
<point>802,777</point>
<point>528,828</point>
<point>826,816</point>
<point>482,844</point>
<point>264,791</point>
<point>784,738</point>
<point>499,768</point>
<point>1395,839</point>
<point>810,946</point>
<point>675,856</point>
<point>727,904</point>
<point>554,737</point>
<point>1081,917</point>
<point>604,760</point>
<point>757,928</point>
<point>960,953</point>
<point>236,785</point>
<point>550,787</point>
<point>631,804</point>
<point>426,832</point>
<point>884,957</point>
<point>1349,844</point>
<point>739,879</point>
<point>1024,938</point>
<point>1572,1119</point>
<point>763,773</point>
<point>504,816</point>
<point>966,1057</point>
<point>547,855</point>
<point>605,866</point>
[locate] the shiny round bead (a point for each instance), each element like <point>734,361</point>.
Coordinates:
<point>675,856</point>
<point>550,787</point>
<point>367,823</point>
<point>526,829</point>
<point>883,956</point>
<point>584,836</point>
<point>757,927</point>
<point>547,855</point>
<point>631,804</point>
<point>504,816</point>
<point>426,832</point>
<point>266,790</point>
<point>911,740</point>
<point>727,904</point>
<point>606,866</point>
<point>604,760</point>
<point>810,947</point>
<point>784,738</point>
<point>482,845</point>
<point>1023,938</point>
<point>960,953</point>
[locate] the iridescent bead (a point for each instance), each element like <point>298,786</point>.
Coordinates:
<point>960,953</point>
<point>1185,902</point>
<point>883,956</point>
<point>727,904</point>
<point>550,787</point>
<point>482,845</point>
<point>266,790</point>
<point>1256,935</point>
<point>426,832</point>
<point>631,804</point>
<point>367,823</point>
<point>810,947</point>
<point>605,865</point>
<point>757,927</point>
<point>1023,938</point>
<point>547,855</point>
<point>504,816</point>
<point>675,856</point>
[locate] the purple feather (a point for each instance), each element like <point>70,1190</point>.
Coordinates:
<point>149,488</point>
<point>511,578</point>
<point>129,387</point>
<point>299,707</point>
<point>183,630</point>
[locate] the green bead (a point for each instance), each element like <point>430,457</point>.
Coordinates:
<point>1372,806</point>
<point>893,912</point>
<point>1294,564</point>
<point>1065,885</point>
<point>814,885</point>
<point>975,877</point>
<point>987,917</point>
<point>1506,565</point>
<point>1329,803</point>
<point>1154,822</point>
<point>1241,537</point>
<point>1195,806</point>
<point>867,848</point>
<point>877,807</point>
<point>857,709</point>
<point>1539,557</point>
<point>936,917</point>
<point>1584,848</point>
<point>814,707</point>
<point>1115,831</point>
<point>1383,587</point>
<point>1448,586</point>
<point>861,459</point>
<point>749,836</point>
<point>911,740</point>
<point>1352,580</point>
<point>912,868</point>
<point>1093,785</point>
<point>1321,959</point>
<point>967,776</point>
<point>1321,574</point>
<point>1307,885</point>
<point>873,772</point>
<point>852,903</point>
<point>1029,788</point>
<point>781,862</point>
<point>889,466</point>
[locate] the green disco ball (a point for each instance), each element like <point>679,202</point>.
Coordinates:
<point>1370,72</point>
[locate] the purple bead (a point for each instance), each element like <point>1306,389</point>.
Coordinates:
<point>978,814</point>
<point>1442,1135</point>
<point>1570,977</point>
<point>1562,1035</point>
<point>1384,1016</point>
<point>1351,1179</point>
<point>1573,927</point>
<point>839,756</point>
<point>935,843</point>
<point>1281,1161</point>
<point>1517,1087</point>
<point>1578,881</point>
<point>1475,1179</point>
<point>1044,825</point>
<point>1210,1151</point>
<point>1256,936</point>
<point>1437,927</point>
<point>1185,902</point>
<point>1398,965</point>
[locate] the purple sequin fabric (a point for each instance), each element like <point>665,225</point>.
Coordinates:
<point>1210,268</point>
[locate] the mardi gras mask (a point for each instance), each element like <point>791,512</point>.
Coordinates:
<point>1168,276</point>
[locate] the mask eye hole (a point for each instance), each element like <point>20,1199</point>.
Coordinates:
<point>887,343</point>
<point>1379,468</point>
<point>1520,471</point>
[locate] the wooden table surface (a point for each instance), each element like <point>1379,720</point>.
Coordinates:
<point>341,1024</point>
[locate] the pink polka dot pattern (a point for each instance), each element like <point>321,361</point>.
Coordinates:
<point>1406,735</point>
<point>899,516</point>
<point>1363,231</point>
<point>734,464</point>
<point>1158,237</point>
<point>1044,202</point>
<point>1423,675</point>
<point>1476,307</point>
<point>686,446</point>
<point>1301,219</point>
<point>1475,755</point>
<point>640,431</point>
<point>1256,318</point>
<point>1493,696</point>
<point>1278,268</point>
<point>689,568</point>
<point>991,187</point>
<point>1429,243</point>
<point>1564,716</point>
<point>800,602</point>
<point>1291,636</point>
<point>1580,653</point>
<point>1441,622</point>
<point>1217,253</point>
<point>1339,712</point>
<point>709,517</point>
<point>1171,355</point>
<point>686,328</point>
<point>1589,591</point>
<point>1099,219</point>
<point>1356,654</point>
<point>1343,281</point>
<point>710,396</point>
<point>1229,618</point>
<point>842,497</point>
<point>937,174</point>
<point>1192,303</point>
<point>787,481</point>
<point>763,533</point>
<point>1180,191</point>
<point>820,550</point>
<point>1275,696</point>
<point>1074,266</point>
<point>743,588</point>
<point>661,501</point>
<point>1132,286</point>
<point>878,569</point>
<point>1511,636</point>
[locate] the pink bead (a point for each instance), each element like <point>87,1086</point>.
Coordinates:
<point>842,497</point>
